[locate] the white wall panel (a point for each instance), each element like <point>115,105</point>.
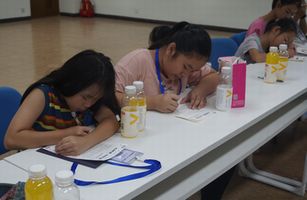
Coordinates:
<point>225,13</point>
<point>14,8</point>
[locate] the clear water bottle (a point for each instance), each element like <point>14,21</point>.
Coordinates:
<point>65,189</point>
<point>226,75</point>
<point>283,62</point>
<point>39,185</point>
<point>141,99</point>
<point>224,90</point>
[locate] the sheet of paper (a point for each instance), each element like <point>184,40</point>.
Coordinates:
<point>100,152</point>
<point>301,50</point>
<point>297,59</point>
<point>184,112</point>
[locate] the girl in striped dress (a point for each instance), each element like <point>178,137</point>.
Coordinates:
<point>63,107</point>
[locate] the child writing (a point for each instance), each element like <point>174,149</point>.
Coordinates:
<point>300,18</point>
<point>61,108</point>
<point>176,57</point>
<point>280,9</point>
<point>254,47</point>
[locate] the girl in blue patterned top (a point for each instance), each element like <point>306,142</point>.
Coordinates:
<point>63,107</point>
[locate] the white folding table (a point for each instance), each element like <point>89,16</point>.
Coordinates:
<point>194,154</point>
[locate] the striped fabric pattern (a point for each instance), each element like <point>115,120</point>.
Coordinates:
<point>56,114</point>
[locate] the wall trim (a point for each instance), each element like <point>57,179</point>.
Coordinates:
<point>14,19</point>
<point>208,27</point>
<point>69,14</point>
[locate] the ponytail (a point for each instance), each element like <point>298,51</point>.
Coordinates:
<point>189,38</point>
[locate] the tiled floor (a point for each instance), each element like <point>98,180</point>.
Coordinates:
<point>29,49</point>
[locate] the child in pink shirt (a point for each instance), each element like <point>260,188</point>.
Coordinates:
<point>175,59</point>
<point>280,9</point>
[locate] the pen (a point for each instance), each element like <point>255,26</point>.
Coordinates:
<point>74,115</point>
<point>117,118</point>
<point>201,115</point>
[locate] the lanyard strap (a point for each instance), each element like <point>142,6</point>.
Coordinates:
<point>158,71</point>
<point>162,90</point>
<point>153,166</point>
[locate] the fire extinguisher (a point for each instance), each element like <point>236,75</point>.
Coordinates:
<point>86,8</point>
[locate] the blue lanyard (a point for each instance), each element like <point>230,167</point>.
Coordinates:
<point>153,166</point>
<point>158,71</point>
<point>162,90</point>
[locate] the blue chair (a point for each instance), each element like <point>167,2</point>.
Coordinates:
<point>221,47</point>
<point>9,103</point>
<point>239,37</point>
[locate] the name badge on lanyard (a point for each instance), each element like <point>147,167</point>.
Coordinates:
<point>158,71</point>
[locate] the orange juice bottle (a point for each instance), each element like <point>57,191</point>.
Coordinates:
<point>129,113</point>
<point>38,186</point>
<point>271,65</point>
<point>142,107</point>
<point>283,62</point>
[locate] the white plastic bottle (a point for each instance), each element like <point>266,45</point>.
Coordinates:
<point>65,189</point>
<point>129,113</point>
<point>224,90</point>
<point>141,104</point>
<point>39,185</point>
<point>283,62</point>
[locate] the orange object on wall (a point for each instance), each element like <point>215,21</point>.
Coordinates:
<point>87,9</point>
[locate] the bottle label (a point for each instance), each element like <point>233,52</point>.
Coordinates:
<point>129,121</point>
<point>223,97</point>
<point>142,121</point>
<point>270,73</point>
<point>282,70</point>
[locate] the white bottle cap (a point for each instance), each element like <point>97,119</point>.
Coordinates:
<point>273,49</point>
<point>64,178</point>
<point>130,89</point>
<point>37,171</point>
<point>138,84</point>
<point>283,47</point>
<point>226,70</point>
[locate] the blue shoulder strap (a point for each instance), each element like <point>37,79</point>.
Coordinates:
<point>153,166</point>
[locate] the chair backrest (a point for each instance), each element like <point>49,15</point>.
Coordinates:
<point>239,37</point>
<point>221,47</point>
<point>9,103</point>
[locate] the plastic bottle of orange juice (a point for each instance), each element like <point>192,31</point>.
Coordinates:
<point>129,113</point>
<point>38,186</point>
<point>271,65</point>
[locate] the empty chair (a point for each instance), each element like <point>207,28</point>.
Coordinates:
<point>239,37</point>
<point>9,103</point>
<point>221,47</point>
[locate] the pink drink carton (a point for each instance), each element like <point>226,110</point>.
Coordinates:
<point>238,84</point>
<point>238,79</point>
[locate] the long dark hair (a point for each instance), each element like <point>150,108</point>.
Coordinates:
<point>79,72</point>
<point>285,24</point>
<point>286,2</point>
<point>189,38</point>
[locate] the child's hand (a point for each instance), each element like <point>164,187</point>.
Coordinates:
<point>167,102</point>
<point>195,98</point>
<point>301,12</point>
<point>292,52</point>
<point>79,130</point>
<point>71,146</point>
